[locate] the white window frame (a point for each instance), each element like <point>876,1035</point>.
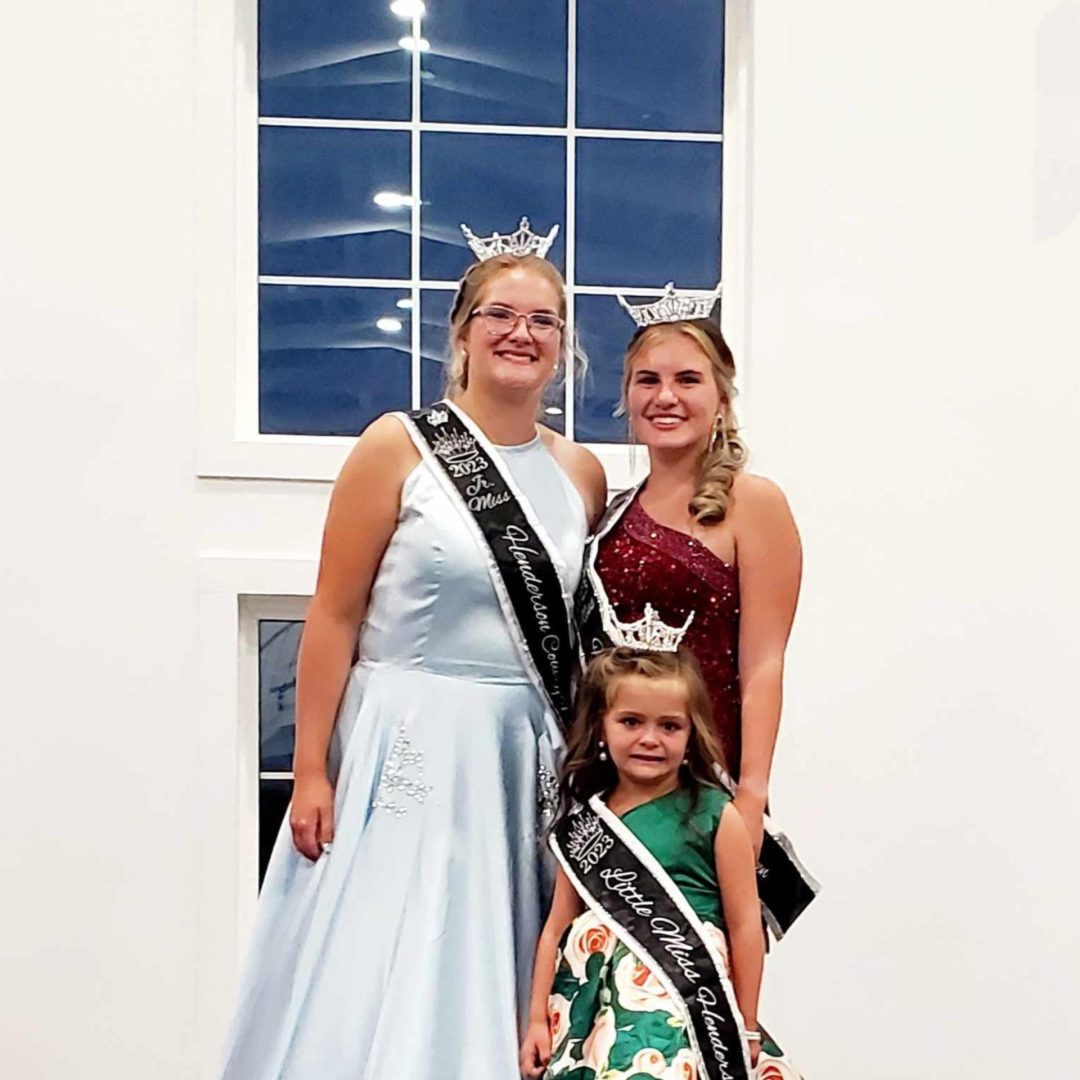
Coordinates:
<point>234,595</point>
<point>229,442</point>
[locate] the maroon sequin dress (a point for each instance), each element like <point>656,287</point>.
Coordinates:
<point>641,561</point>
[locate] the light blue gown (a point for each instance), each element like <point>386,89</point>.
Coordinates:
<point>405,953</point>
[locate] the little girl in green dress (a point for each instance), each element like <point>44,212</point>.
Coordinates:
<point>650,962</point>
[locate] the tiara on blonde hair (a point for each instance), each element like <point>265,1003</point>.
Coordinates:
<point>672,306</point>
<point>522,242</point>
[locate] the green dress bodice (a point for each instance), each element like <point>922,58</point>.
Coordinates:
<point>681,840</point>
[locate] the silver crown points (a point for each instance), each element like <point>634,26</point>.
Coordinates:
<point>587,843</point>
<point>673,306</point>
<point>584,831</point>
<point>522,242</point>
<point>454,447</point>
<point>649,633</point>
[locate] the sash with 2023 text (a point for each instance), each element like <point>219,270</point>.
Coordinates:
<point>522,558</point>
<point>620,880</point>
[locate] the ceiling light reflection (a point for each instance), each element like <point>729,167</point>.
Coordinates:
<point>391,200</point>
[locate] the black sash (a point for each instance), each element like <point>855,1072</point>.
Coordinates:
<point>623,883</point>
<point>785,886</point>
<point>521,557</point>
<point>592,633</point>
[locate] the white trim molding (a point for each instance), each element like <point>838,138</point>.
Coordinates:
<point>234,594</point>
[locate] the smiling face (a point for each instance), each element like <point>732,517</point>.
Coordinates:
<point>672,395</point>
<point>516,359</point>
<point>647,730</point>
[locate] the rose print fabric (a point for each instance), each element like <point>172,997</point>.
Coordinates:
<point>610,1017</point>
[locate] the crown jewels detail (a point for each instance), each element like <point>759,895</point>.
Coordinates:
<point>649,633</point>
<point>587,843</point>
<point>437,417</point>
<point>673,306</point>
<point>452,446</point>
<point>460,452</point>
<point>522,242</point>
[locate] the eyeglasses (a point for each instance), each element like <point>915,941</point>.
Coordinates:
<point>502,320</point>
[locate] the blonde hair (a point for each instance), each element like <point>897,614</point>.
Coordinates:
<point>475,280</point>
<point>726,454</point>
<point>584,774</point>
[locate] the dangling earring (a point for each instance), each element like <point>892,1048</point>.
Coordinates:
<point>717,431</point>
<point>603,751</point>
<point>631,440</point>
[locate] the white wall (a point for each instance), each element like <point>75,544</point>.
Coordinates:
<point>912,382</point>
<point>916,231</point>
<point>98,573</point>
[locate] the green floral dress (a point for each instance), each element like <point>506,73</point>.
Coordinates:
<point>610,1017</point>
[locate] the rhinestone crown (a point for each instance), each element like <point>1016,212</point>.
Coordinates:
<point>453,446</point>
<point>649,633</point>
<point>522,242</point>
<point>673,306</point>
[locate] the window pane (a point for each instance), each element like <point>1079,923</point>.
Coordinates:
<point>326,367</point>
<point>317,215</point>
<point>278,644</point>
<point>489,182</point>
<point>648,212</point>
<point>649,66</point>
<point>334,58</point>
<point>434,347</point>
<point>605,330</point>
<point>274,796</point>
<point>492,62</point>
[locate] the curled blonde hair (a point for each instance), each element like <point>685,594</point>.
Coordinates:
<point>726,454</point>
<point>475,280</point>
<point>585,773</point>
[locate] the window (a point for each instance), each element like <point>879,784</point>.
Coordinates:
<point>380,133</point>
<point>279,641</point>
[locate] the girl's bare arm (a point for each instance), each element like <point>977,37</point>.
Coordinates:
<point>770,570</point>
<point>361,519</point>
<point>742,910</point>
<point>536,1046</point>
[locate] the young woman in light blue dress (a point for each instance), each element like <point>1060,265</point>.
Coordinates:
<point>402,904</point>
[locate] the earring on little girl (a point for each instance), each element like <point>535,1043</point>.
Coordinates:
<point>603,751</point>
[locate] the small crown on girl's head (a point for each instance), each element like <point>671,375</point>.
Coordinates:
<point>673,306</point>
<point>649,633</point>
<point>522,242</point>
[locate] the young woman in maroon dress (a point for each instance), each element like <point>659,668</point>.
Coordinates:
<point>704,537</point>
